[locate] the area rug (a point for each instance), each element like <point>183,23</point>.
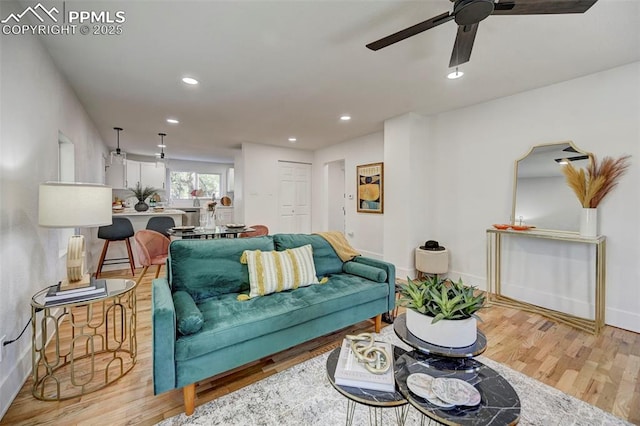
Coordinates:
<point>302,395</point>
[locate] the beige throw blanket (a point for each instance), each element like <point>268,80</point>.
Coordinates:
<point>339,244</point>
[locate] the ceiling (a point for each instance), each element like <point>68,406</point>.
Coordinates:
<point>269,70</point>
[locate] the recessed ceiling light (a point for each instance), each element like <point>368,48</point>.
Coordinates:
<point>172,121</point>
<point>293,140</point>
<point>455,74</point>
<point>189,80</point>
<point>345,117</point>
<point>161,145</point>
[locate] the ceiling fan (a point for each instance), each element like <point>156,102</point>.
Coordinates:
<point>468,14</point>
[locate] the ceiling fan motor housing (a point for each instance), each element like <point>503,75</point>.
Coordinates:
<point>468,12</point>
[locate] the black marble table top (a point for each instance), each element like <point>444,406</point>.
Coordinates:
<point>365,396</point>
<point>401,330</point>
<point>499,405</point>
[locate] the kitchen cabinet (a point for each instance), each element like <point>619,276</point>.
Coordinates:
<point>132,173</point>
<point>152,174</point>
<point>123,176</point>
<point>115,176</point>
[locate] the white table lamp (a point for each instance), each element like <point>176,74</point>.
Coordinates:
<point>74,205</point>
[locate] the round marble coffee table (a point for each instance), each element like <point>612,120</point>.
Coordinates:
<point>499,403</point>
<point>375,400</point>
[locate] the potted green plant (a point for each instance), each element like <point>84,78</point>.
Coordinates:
<point>441,311</point>
<point>142,194</point>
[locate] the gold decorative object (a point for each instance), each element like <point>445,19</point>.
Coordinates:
<point>375,359</point>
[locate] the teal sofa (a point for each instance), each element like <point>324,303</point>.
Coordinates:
<point>233,332</point>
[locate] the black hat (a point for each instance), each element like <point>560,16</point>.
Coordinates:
<point>432,246</point>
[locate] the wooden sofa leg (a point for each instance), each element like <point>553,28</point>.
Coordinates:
<point>378,320</point>
<point>189,395</point>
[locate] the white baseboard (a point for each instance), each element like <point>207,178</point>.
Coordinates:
<point>20,370</point>
<point>370,254</point>
<point>14,380</point>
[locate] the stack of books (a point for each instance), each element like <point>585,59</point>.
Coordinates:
<point>350,372</point>
<point>56,296</point>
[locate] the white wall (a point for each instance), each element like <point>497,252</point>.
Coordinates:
<point>407,180</point>
<point>336,196</point>
<point>476,147</point>
<point>449,176</point>
<point>259,179</point>
<point>35,103</point>
<point>364,230</point>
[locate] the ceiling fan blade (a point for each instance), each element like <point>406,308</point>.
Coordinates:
<point>411,31</point>
<point>541,7</point>
<point>463,44</point>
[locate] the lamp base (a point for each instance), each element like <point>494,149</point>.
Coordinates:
<point>85,281</point>
<point>76,278</point>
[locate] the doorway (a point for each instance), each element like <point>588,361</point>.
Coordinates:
<point>336,209</point>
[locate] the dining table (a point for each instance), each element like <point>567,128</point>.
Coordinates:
<point>197,232</point>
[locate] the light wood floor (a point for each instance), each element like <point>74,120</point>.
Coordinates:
<point>603,371</point>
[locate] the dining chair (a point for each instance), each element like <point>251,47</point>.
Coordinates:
<point>258,231</point>
<point>153,249</point>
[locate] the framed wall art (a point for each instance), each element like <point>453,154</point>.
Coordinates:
<point>370,188</point>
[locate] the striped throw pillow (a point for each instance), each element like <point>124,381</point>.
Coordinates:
<point>275,271</point>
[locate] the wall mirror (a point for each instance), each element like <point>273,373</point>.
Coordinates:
<point>541,197</point>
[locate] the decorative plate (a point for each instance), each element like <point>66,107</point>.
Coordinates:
<point>521,227</point>
<point>235,225</point>
<point>501,226</point>
<point>184,228</point>
<point>420,384</point>
<point>455,391</point>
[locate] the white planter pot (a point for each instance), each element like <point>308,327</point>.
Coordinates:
<point>447,333</point>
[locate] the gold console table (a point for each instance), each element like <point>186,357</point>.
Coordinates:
<point>494,268</point>
<point>92,343</point>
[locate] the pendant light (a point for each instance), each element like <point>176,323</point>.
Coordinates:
<point>161,145</point>
<point>118,156</point>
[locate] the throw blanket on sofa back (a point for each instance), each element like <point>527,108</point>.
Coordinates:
<point>201,329</point>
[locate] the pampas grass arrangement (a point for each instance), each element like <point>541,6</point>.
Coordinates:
<point>592,185</point>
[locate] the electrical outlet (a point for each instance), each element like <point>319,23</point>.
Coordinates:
<point>2,346</point>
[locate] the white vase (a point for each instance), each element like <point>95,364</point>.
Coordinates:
<point>589,222</point>
<point>447,333</point>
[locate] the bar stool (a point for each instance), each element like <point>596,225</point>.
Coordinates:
<point>120,230</point>
<point>161,224</point>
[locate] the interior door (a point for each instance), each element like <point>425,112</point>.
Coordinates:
<point>294,197</point>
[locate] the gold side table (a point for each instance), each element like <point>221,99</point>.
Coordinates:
<point>91,343</point>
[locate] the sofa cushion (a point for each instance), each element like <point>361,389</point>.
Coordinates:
<point>365,271</point>
<point>189,319</point>
<point>324,256</point>
<point>228,321</point>
<point>275,271</point>
<point>205,268</point>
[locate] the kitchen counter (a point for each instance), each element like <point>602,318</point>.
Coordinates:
<point>150,212</point>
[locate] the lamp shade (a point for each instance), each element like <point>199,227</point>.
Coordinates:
<point>74,205</point>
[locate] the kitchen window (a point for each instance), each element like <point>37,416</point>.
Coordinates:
<point>183,184</point>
